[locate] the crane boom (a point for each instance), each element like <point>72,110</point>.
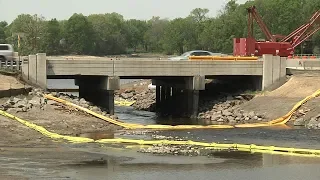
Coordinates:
<point>311,28</point>
<point>253,14</point>
<point>299,32</point>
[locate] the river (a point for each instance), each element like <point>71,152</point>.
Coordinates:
<point>221,166</point>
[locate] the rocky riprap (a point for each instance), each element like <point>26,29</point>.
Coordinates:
<point>182,150</point>
<point>35,99</point>
<point>222,110</point>
<point>172,150</point>
<point>314,123</point>
<point>83,103</point>
<point>301,118</point>
<point>310,123</point>
<point>144,100</point>
<point>227,110</point>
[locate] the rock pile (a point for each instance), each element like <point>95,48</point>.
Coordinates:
<point>299,116</point>
<point>226,110</point>
<point>182,150</point>
<point>15,104</point>
<point>314,123</point>
<point>128,95</point>
<point>172,150</point>
<point>83,103</point>
<point>36,100</point>
<point>145,100</point>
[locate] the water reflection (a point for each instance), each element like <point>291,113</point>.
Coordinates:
<point>224,165</point>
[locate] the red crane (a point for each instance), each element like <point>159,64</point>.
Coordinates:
<point>276,45</point>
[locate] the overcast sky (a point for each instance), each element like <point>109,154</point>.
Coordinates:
<point>138,9</point>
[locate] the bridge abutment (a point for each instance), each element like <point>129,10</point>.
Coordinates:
<point>99,90</point>
<point>274,69</point>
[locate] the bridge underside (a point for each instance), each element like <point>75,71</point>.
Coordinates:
<point>174,95</point>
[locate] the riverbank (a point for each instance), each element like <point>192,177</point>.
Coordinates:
<point>53,116</point>
<point>27,154</point>
<point>222,104</point>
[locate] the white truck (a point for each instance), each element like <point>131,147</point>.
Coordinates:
<point>6,53</point>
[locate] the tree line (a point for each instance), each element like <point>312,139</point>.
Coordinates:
<point>111,34</point>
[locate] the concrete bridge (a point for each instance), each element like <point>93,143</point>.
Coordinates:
<point>178,82</point>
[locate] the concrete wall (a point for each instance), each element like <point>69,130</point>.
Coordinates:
<point>32,63</point>
<point>80,67</point>
<point>34,70</point>
<point>296,64</point>
<point>25,69</point>
<point>41,70</point>
<point>311,65</point>
<point>274,68</point>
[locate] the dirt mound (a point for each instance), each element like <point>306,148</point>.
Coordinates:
<point>278,102</point>
<point>298,86</point>
<point>9,82</point>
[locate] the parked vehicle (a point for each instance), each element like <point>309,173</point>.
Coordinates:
<point>185,56</point>
<point>6,52</point>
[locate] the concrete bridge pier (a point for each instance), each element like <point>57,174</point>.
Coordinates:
<point>98,90</point>
<point>179,96</point>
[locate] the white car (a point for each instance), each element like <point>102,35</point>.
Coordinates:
<point>6,52</point>
<point>185,56</point>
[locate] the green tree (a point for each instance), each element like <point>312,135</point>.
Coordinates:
<point>3,25</point>
<point>178,36</point>
<point>52,37</point>
<point>79,34</point>
<point>135,31</point>
<point>154,34</point>
<point>32,28</point>
<point>109,33</point>
<point>199,15</point>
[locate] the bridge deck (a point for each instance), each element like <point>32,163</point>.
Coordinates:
<point>152,68</point>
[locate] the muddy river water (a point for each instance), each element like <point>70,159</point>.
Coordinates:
<point>119,163</point>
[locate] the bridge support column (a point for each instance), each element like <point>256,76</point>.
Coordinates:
<point>179,96</point>
<point>99,90</point>
<point>168,100</point>
<point>158,98</point>
<point>162,97</point>
<point>192,103</point>
<point>195,104</point>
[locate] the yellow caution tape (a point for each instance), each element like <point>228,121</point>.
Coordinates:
<point>214,146</point>
<point>279,121</point>
<point>124,103</point>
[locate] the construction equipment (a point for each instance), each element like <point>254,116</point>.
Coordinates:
<point>276,45</point>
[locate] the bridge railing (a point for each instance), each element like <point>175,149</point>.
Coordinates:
<point>12,65</point>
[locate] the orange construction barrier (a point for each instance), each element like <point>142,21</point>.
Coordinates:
<point>217,58</point>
